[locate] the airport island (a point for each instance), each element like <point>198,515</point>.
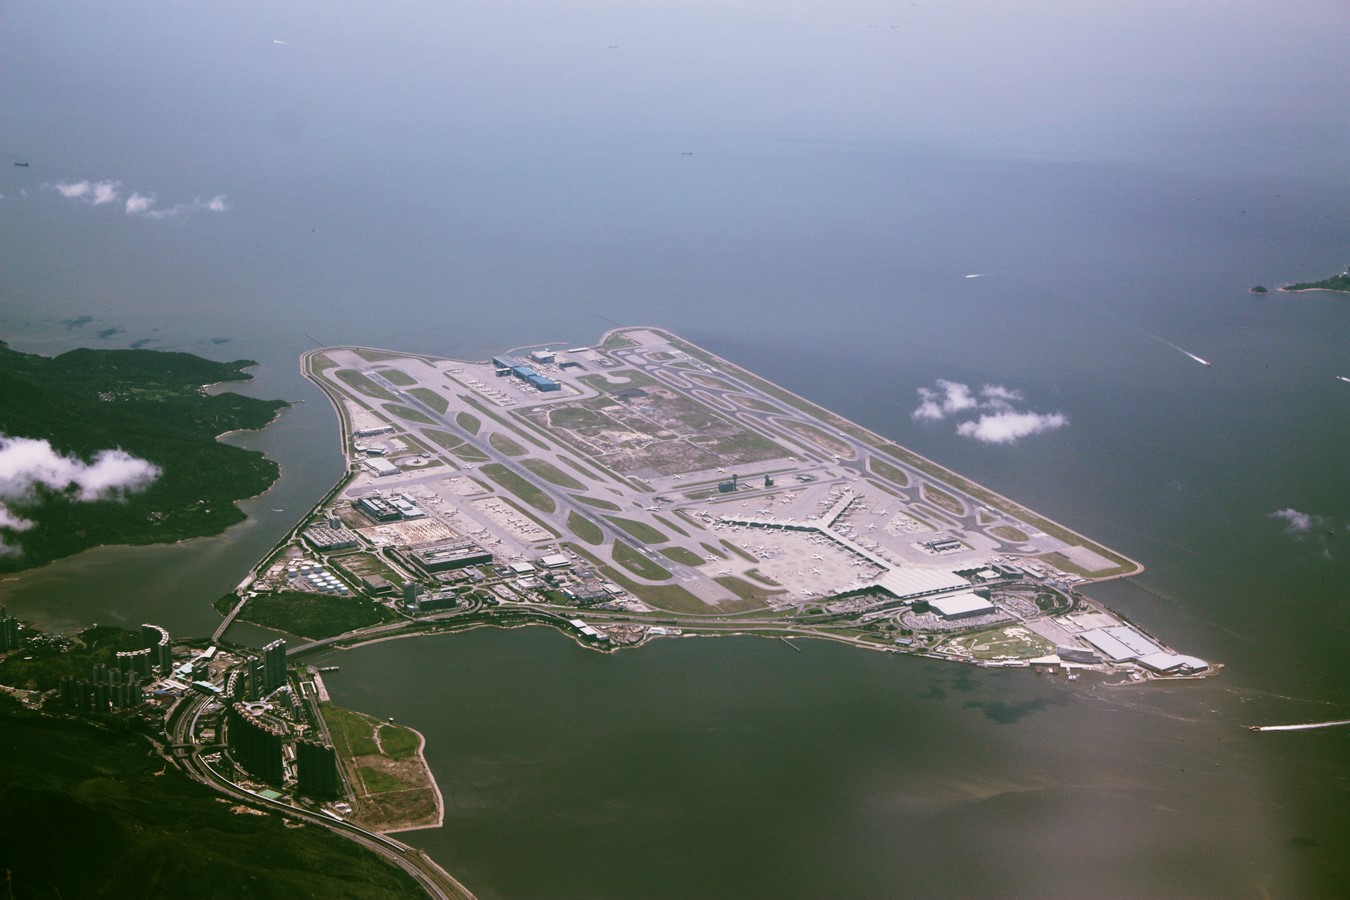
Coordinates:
<point>646,489</point>
<point>640,489</point>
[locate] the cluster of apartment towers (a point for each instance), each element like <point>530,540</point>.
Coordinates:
<point>119,686</point>
<point>259,741</point>
<point>262,741</point>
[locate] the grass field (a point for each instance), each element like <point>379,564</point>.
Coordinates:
<point>407,412</point>
<point>520,487</point>
<point>1008,533</point>
<point>398,377</point>
<point>641,531</point>
<point>354,379</point>
<point>398,742</point>
<point>503,444</point>
<point>638,563</point>
<point>889,472</point>
<point>550,473</point>
<point>585,529</point>
<point>1009,642</point>
<point>431,398</point>
<point>353,733</point>
<point>943,499</point>
<point>682,555</point>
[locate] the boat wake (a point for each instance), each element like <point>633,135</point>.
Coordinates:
<point>1309,726</point>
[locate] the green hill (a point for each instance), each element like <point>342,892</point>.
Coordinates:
<point>92,812</point>
<point>150,404</point>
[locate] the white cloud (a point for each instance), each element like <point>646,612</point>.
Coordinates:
<point>1297,522</point>
<point>95,193</point>
<point>12,522</point>
<point>1000,422</point>
<point>1009,426</point>
<point>105,192</point>
<point>99,193</point>
<point>72,190</point>
<point>949,397</point>
<point>995,392</point>
<point>138,204</point>
<point>27,464</point>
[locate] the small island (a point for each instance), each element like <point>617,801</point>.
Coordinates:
<point>1339,284</point>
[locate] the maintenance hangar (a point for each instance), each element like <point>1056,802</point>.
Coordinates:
<point>1121,642</point>
<point>961,606</point>
<point>378,509</point>
<point>381,467</point>
<point>447,556</point>
<point>905,582</point>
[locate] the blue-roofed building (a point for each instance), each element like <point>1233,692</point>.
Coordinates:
<point>539,382</point>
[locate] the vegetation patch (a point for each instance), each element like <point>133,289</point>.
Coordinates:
<point>1009,642</point>
<point>585,529</point>
<point>407,412</point>
<point>447,440</point>
<point>398,742</point>
<point>1054,602</point>
<point>313,615</point>
<point>503,444</point>
<point>744,591</point>
<point>671,525</point>
<point>394,788</point>
<point>639,530</point>
<point>431,398</point>
<point>469,453</point>
<point>588,473</point>
<point>670,597</point>
<point>353,733</point>
<point>893,474</point>
<point>761,577</point>
<point>753,403</point>
<point>1008,533</point>
<point>397,376</point>
<point>1339,282</point>
<point>834,446</point>
<point>552,474</point>
<point>597,502</point>
<point>151,405</point>
<point>638,563</point>
<point>942,499</point>
<point>469,422</point>
<point>144,829</point>
<point>379,355</point>
<point>520,487</point>
<point>358,381</point>
<point>682,555</point>
<point>48,657</point>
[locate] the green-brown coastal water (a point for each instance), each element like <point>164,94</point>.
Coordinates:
<point>458,185</point>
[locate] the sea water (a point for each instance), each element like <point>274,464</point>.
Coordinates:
<point>802,190</point>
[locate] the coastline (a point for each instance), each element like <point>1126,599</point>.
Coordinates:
<point>435,789</point>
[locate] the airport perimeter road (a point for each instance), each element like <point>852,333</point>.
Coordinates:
<point>433,879</point>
